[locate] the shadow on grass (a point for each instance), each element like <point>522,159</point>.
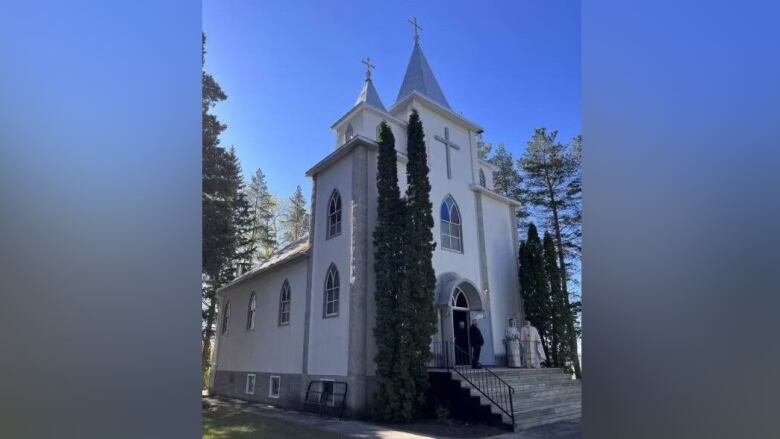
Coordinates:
<point>232,424</point>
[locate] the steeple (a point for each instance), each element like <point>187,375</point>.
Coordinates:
<point>419,76</point>
<point>368,94</point>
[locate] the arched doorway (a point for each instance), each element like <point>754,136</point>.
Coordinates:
<point>460,325</point>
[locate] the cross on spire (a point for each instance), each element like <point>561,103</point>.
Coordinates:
<point>417,29</point>
<point>369,66</point>
<point>447,145</point>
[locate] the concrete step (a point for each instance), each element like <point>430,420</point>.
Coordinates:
<point>524,371</point>
<point>531,393</point>
<point>535,422</point>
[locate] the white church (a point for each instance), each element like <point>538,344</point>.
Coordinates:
<point>308,313</point>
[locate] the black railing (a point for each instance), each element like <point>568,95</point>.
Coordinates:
<point>326,398</point>
<point>448,355</point>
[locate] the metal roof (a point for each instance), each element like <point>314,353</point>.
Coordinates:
<point>419,77</point>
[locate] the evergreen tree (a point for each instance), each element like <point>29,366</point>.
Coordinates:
<point>550,171</point>
<point>389,237</point>
<point>535,291</point>
<point>560,312</point>
<point>483,149</point>
<point>418,314</point>
<point>295,221</point>
<point>263,204</point>
<point>507,180</point>
<point>243,220</point>
<point>225,212</point>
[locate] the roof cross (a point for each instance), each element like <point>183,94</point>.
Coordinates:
<point>369,66</point>
<point>417,29</point>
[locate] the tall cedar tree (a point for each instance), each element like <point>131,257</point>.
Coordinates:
<point>295,222</point>
<point>220,189</point>
<point>418,315</point>
<point>561,313</point>
<point>264,205</point>
<point>535,291</point>
<point>391,285</point>
<point>550,169</point>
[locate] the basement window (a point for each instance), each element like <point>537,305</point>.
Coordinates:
<point>274,385</point>
<point>250,384</point>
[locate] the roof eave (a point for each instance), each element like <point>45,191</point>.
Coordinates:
<point>436,107</point>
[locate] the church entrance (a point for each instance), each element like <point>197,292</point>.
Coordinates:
<point>460,326</point>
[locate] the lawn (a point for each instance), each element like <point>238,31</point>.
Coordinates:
<point>231,424</point>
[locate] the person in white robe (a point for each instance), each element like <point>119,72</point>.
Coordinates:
<point>512,340</point>
<point>531,342</point>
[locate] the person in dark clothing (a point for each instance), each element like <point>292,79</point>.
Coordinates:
<point>476,344</point>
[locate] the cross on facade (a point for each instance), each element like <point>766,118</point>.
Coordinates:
<point>369,66</point>
<point>417,28</point>
<point>447,145</point>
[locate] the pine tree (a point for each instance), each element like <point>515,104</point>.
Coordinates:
<point>225,212</point>
<point>244,224</point>
<point>391,283</point>
<point>295,221</point>
<point>535,291</point>
<point>263,204</point>
<point>418,314</point>
<point>483,149</point>
<point>550,171</point>
<point>507,180</point>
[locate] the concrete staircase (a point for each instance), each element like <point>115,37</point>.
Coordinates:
<point>540,396</point>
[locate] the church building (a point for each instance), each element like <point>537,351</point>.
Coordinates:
<point>308,312</point>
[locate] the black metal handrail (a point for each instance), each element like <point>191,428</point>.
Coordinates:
<point>448,355</point>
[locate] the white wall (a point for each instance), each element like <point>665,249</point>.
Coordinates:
<point>268,347</point>
<point>502,267</point>
<point>328,336</point>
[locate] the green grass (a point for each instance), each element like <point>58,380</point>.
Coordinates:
<point>229,424</point>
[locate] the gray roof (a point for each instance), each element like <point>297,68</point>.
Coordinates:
<point>419,77</point>
<point>299,247</point>
<point>369,95</point>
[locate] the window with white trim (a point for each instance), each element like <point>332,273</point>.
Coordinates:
<point>226,317</point>
<point>250,384</point>
<point>349,133</point>
<point>334,214</point>
<point>251,311</point>
<point>331,302</point>
<point>451,230</point>
<point>284,304</point>
<point>274,384</point>
<point>459,300</point>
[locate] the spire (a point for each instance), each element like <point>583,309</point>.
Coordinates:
<point>368,94</point>
<point>419,76</point>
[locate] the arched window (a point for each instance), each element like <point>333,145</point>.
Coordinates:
<point>226,317</point>
<point>334,215</point>
<point>451,232</point>
<point>332,291</point>
<point>250,313</point>
<point>378,132</point>
<point>349,133</point>
<point>459,299</point>
<point>482,181</point>
<point>284,304</point>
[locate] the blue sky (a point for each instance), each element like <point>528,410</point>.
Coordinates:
<point>291,69</point>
